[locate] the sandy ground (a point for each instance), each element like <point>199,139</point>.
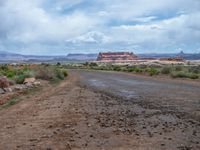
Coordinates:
<point>97,110</point>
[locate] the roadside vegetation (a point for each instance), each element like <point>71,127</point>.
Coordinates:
<point>17,73</point>
<point>23,79</point>
<point>174,71</point>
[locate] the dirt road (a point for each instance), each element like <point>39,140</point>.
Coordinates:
<point>98,110</point>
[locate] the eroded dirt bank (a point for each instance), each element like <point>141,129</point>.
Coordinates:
<point>90,111</point>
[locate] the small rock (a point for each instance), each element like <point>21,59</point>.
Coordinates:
<point>2,91</point>
<point>33,140</point>
<point>67,126</point>
<point>7,89</point>
<point>91,135</point>
<point>19,87</point>
<point>76,132</point>
<point>89,125</point>
<point>29,85</point>
<point>37,83</point>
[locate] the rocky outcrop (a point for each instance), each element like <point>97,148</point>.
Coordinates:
<point>116,56</point>
<point>28,84</point>
<point>4,82</point>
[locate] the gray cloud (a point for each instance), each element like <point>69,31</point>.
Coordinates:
<point>62,26</point>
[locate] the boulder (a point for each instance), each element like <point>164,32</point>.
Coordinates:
<point>4,82</point>
<point>8,90</point>
<point>29,85</point>
<point>19,87</point>
<point>37,83</point>
<point>2,91</point>
<point>29,80</point>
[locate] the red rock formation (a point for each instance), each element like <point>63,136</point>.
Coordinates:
<point>116,56</point>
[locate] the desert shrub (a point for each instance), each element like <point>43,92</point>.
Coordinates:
<point>131,69</point>
<point>4,67</point>
<point>92,64</point>
<point>22,74</point>
<point>86,64</point>
<point>10,73</point>
<point>193,76</point>
<point>58,64</point>
<point>194,69</point>
<point>19,79</point>
<point>50,73</point>
<point>166,70</point>
<point>65,72</point>
<point>183,74</point>
<point>152,71</point>
<point>179,74</point>
<point>178,68</point>
<point>59,74</point>
<point>142,66</point>
<point>29,73</point>
<point>117,68</point>
<point>45,73</point>
<point>138,69</point>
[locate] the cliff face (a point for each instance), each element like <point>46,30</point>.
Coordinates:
<point>113,56</point>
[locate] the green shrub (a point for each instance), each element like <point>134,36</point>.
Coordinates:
<point>117,68</point>
<point>180,74</point>
<point>138,70</point>
<point>194,69</point>
<point>45,73</point>
<point>166,70</point>
<point>4,67</point>
<point>19,79</point>
<point>22,74</point>
<point>59,74</point>
<point>50,73</point>
<point>92,64</point>
<point>29,74</point>
<point>178,68</point>
<point>152,71</point>
<point>193,76</point>
<point>131,69</point>
<point>65,72</point>
<point>10,73</point>
<point>184,75</point>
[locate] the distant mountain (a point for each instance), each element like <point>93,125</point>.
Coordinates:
<point>7,57</point>
<point>189,56</point>
<point>12,57</point>
<point>186,56</point>
<point>155,55</point>
<point>82,57</point>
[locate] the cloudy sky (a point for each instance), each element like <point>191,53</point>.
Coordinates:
<point>56,27</point>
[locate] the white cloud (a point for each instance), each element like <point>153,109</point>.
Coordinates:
<point>91,37</point>
<point>101,24</point>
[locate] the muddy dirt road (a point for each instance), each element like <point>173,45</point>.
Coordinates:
<point>98,110</point>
